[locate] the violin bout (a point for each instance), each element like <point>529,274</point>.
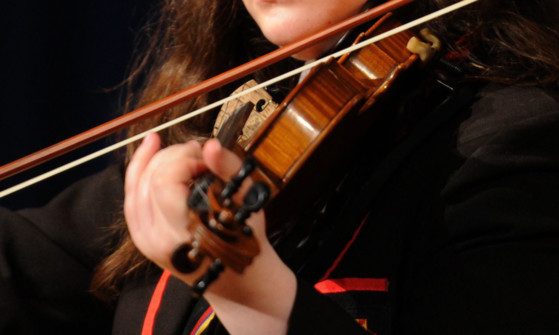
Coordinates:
<point>304,143</point>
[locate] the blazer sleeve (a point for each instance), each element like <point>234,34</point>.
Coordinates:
<point>47,257</point>
<point>500,273</point>
<point>314,313</point>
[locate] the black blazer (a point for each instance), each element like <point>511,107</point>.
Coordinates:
<point>453,230</point>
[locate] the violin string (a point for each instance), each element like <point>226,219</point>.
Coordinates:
<point>232,97</point>
<point>200,190</point>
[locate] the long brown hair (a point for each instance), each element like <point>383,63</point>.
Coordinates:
<point>507,41</point>
<point>512,42</point>
<point>189,41</point>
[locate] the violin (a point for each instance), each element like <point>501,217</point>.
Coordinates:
<point>322,115</point>
<point>296,151</point>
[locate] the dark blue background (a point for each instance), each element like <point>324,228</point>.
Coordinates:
<point>58,60</point>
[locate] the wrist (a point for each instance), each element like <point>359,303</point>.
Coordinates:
<point>260,298</point>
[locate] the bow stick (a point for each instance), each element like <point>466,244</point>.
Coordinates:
<point>205,87</point>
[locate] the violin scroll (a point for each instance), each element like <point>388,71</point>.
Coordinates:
<point>218,227</point>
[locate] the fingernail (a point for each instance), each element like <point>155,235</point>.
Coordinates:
<point>217,144</point>
<point>147,139</point>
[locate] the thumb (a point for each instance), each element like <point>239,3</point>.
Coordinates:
<point>222,162</point>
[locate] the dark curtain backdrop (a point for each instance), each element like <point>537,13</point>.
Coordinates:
<point>58,59</point>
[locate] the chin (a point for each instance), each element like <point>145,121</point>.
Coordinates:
<point>282,38</point>
<point>312,52</point>
<point>309,54</point>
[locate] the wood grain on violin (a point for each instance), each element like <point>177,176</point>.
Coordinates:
<point>313,130</point>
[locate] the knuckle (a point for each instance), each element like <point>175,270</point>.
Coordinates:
<point>159,181</point>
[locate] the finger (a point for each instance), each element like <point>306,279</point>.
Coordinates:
<point>222,162</point>
<point>178,163</point>
<point>141,158</point>
<point>149,147</point>
<point>169,175</point>
<point>225,165</point>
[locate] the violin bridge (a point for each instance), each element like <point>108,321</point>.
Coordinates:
<point>264,106</point>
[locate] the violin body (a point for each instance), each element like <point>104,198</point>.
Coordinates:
<point>309,138</point>
<point>302,147</point>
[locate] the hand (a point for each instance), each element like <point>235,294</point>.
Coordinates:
<point>156,192</point>
<point>155,196</point>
